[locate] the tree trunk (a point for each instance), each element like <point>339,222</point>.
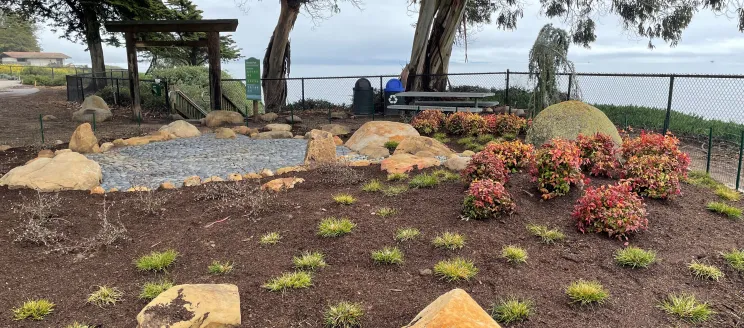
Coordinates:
<point>93,39</point>
<point>277,58</point>
<point>432,44</point>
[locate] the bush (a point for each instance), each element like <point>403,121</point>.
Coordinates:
<point>512,310</point>
<point>652,176</point>
<point>487,199</point>
<point>635,257</point>
<point>397,176</point>
<point>455,122</point>
<point>156,261</point>
<point>586,292</point>
<point>514,154</point>
<point>660,145</point>
<point>455,269</point>
<point>502,124</point>
<point>485,165</point>
<point>686,307</point>
<point>344,315</point>
<point>473,124</point>
<point>388,255</point>
<point>423,180</point>
<point>270,238</point>
<point>344,199</point>
<point>727,193</point>
<point>391,145</point>
<point>555,167</point>
<point>290,280</point>
<point>34,310</point>
<point>386,211</point>
<point>613,209</point>
<point>598,155</point>
<point>373,185</point>
<point>428,121</point>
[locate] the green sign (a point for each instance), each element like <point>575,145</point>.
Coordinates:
<point>253,79</point>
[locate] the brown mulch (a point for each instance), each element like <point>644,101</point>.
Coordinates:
<point>681,230</point>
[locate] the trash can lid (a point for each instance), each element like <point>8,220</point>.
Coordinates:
<point>394,85</point>
<point>363,84</point>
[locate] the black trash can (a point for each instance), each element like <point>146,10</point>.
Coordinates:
<point>393,87</point>
<point>364,95</point>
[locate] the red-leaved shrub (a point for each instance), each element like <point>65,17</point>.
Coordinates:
<point>515,154</point>
<point>598,155</point>
<point>428,121</point>
<point>650,143</point>
<point>485,165</point>
<point>473,124</point>
<point>486,199</point>
<point>500,124</point>
<point>455,122</point>
<point>555,167</point>
<point>653,176</point>
<point>613,209</point>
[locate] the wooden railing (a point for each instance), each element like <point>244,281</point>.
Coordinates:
<point>227,104</point>
<point>182,104</point>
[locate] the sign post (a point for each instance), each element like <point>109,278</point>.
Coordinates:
<point>253,83</point>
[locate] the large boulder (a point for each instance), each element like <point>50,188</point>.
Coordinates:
<point>377,133</point>
<point>321,147</point>
<point>64,171</point>
<point>181,129</point>
<point>454,309</point>
<point>413,145</point>
<point>268,117</point>
<point>567,120</point>
<point>83,140</point>
<point>217,118</point>
<point>193,306</point>
<point>403,163</point>
<point>273,135</point>
<point>92,105</point>
<point>336,129</point>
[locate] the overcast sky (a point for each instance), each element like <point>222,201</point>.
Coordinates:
<point>377,40</point>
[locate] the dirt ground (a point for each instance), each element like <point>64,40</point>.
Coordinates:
<point>680,230</point>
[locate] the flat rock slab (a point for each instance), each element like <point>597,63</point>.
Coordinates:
<point>175,160</point>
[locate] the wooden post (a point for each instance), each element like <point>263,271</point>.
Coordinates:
<point>133,74</point>
<point>215,70</point>
<point>255,110</point>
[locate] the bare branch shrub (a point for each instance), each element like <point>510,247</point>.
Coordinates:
<point>39,215</point>
<point>339,174</point>
<point>151,201</point>
<point>244,195</point>
<point>108,235</point>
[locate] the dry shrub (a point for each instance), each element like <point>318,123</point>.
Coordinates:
<point>339,174</point>
<point>244,195</point>
<point>151,201</point>
<point>107,235</point>
<point>39,219</point>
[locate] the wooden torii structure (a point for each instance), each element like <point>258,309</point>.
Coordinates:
<point>212,27</point>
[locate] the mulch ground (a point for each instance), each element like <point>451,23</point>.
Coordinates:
<point>680,230</point>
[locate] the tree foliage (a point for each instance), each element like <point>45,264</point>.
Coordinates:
<point>548,58</point>
<point>18,34</point>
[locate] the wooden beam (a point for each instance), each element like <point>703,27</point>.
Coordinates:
<point>215,70</point>
<point>133,75</point>
<point>204,25</point>
<point>151,44</point>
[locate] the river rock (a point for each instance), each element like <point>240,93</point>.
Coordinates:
<point>268,117</point>
<point>457,163</point>
<point>293,119</point>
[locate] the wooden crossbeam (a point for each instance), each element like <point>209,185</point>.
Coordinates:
<point>153,44</point>
<point>204,25</point>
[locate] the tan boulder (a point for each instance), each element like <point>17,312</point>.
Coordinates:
<point>377,133</point>
<point>338,141</point>
<point>218,118</point>
<point>97,190</point>
<point>278,127</point>
<point>281,184</point>
<point>454,309</point>
<point>113,190</point>
<point>120,143</point>
<point>403,163</point>
<point>192,181</point>
<point>374,151</point>
<point>425,153</point>
<point>273,135</point>
<point>336,129</point>
<point>298,137</point>
<point>252,175</point>
<point>360,163</point>
<point>213,178</point>
<point>106,146</point>
<point>413,145</point>
<point>93,107</point>
<point>138,189</point>
<point>83,140</point>
<point>234,177</point>
<point>167,186</point>
<point>224,133</point>
<point>266,173</point>
<point>154,137</point>
<point>290,169</point>
<point>457,163</point>
<point>66,171</point>
<point>46,153</point>
<point>48,118</point>
<point>181,129</point>
<point>5,147</point>
<point>244,130</point>
<point>320,147</point>
<point>193,306</point>
<point>268,117</point>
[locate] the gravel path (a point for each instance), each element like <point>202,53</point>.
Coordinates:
<point>174,160</point>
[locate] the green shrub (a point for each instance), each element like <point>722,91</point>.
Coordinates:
<point>475,147</point>
<point>397,176</point>
<point>486,199</point>
<point>735,259</point>
<point>391,145</point>
<point>33,309</point>
<point>218,267</point>
<point>586,292</point>
<point>484,138</point>
<point>344,315</point>
<point>556,166</point>
<point>372,186</point>
<point>445,175</point>
<point>105,296</point>
<point>388,255</point>
<point>514,254</point>
<point>290,280</point>
<point>612,209</point>
<point>344,199</point>
<point>441,137</point>
<point>686,307</point>
<point>455,269</point>
<point>386,211</point>
<point>449,240</point>
<point>156,261</point>
<point>725,209</point>
<point>151,290</point>
<point>704,271</point>
<point>309,261</point>
<point>634,257</point>
<point>702,179</point>
<point>333,227</point>
<point>466,141</point>
<point>406,234</point>
<point>270,238</point>
<point>727,193</point>
<point>548,236</point>
<point>423,180</point>
<point>512,310</point>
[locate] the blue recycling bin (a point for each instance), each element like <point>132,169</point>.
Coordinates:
<point>393,87</point>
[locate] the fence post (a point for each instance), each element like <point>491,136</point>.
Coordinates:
<point>506,95</point>
<point>94,121</point>
<point>117,99</point>
<point>303,93</point>
<point>75,67</point>
<point>570,81</point>
<point>738,169</point>
<point>167,97</point>
<point>41,127</point>
<point>80,87</point>
<point>52,73</point>
<point>710,147</point>
<point>669,105</point>
<point>11,71</point>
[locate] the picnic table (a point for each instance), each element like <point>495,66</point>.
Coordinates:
<point>445,106</point>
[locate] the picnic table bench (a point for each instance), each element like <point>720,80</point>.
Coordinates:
<point>444,106</point>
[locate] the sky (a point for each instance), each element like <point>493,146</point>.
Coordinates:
<point>376,39</point>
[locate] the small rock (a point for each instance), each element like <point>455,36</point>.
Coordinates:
<point>192,181</point>
<point>224,133</point>
<point>457,163</point>
<point>58,142</point>
<point>268,117</point>
<point>403,163</point>
<point>266,173</point>
<point>194,306</point>
<point>97,190</point>
<point>49,118</point>
<point>289,169</point>
<point>339,115</point>
<point>273,135</point>
<point>374,151</point>
<point>320,148</point>
<point>281,184</point>
<point>46,153</point>
<point>360,163</point>
<point>468,153</point>
<point>336,129</point>
<point>218,118</point>
<point>167,186</point>
<point>338,141</point>
<point>113,190</point>
<point>138,188</point>
<point>213,178</point>
<point>5,147</point>
<point>298,137</point>
<point>106,146</point>
<point>425,272</point>
<point>278,127</point>
<point>252,175</point>
<point>293,119</point>
<point>234,177</point>
<point>244,130</point>
<point>180,129</point>
<point>120,143</point>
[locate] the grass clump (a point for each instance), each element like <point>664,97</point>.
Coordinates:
<point>475,147</point>
<point>465,141</point>
<point>449,240</point>
<point>445,175</point>
<point>727,193</point>
<point>587,292</point>
<point>702,179</point>
<point>704,271</point>
<point>333,227</point>
<point>735,259</point>
<point>156,261</point>
<point>455,269</point>
<point>391,145</point>
<point>386,211</point>
<point>151,290</point>
<point>548,236</point>
<point>344,199</point>
<point>33,309</point>
<point>270,238</point>
<point>514,254</point>
<point>78,325</point>
<point>373,185</point>
<point>393,191</point>
<point>485,138</point>
<point>725,209</point>
<point>344,315</point>
<point>406,234</point>
<point>388,255</point>
<point>290,280</point>
<point>423,180</point>
<point>309,261</point>
<point>686,307</point>
<point>512,310</point>
<point>441,137</point>
<point>635,257</point>
<point>218,267</point>
<point>397,176</point>
<point>105,296</point>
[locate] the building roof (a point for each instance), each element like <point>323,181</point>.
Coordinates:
<point>35,55</point>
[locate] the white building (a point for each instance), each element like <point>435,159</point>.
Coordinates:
<point>33,58</point>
